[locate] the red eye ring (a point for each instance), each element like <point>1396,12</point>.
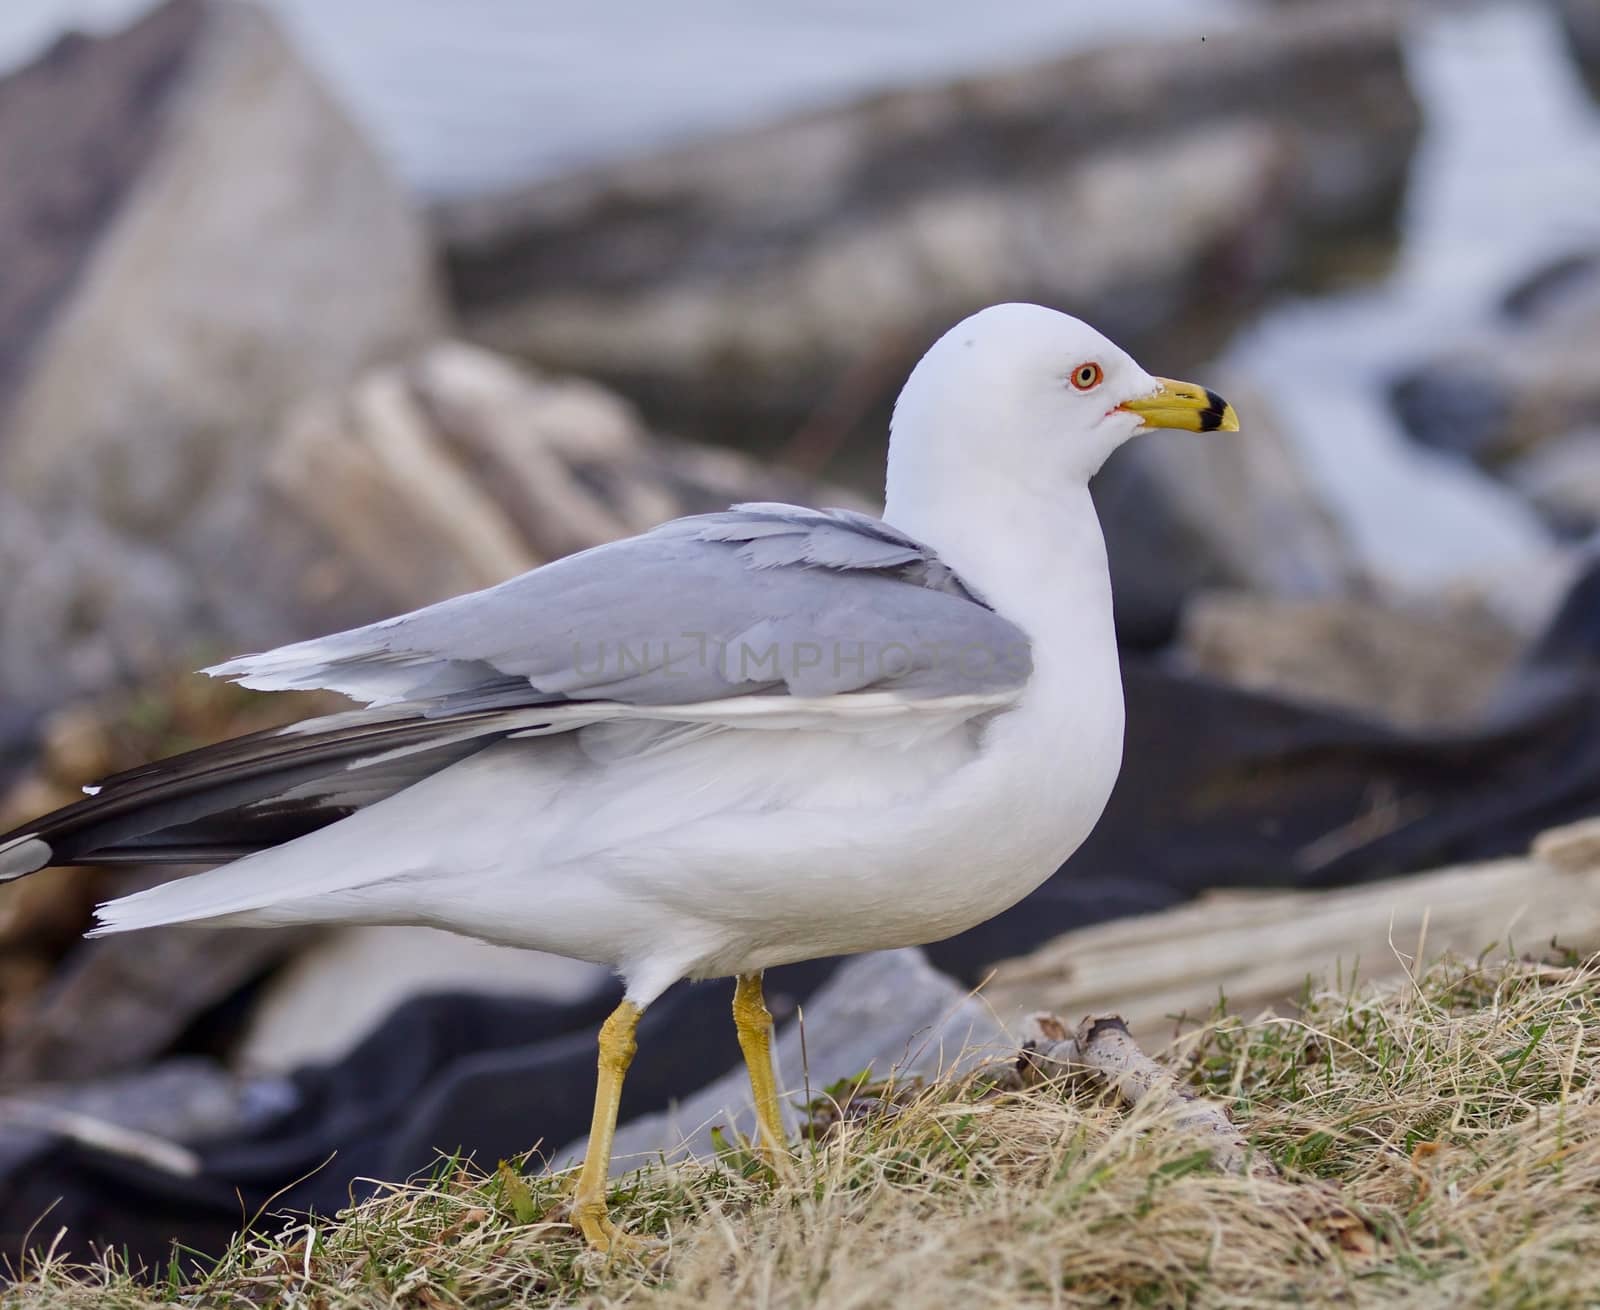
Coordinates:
<point>1087,376</point>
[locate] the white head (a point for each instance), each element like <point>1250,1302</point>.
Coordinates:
<point>1022,397</point>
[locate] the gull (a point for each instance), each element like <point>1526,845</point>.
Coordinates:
<point>736,741</point>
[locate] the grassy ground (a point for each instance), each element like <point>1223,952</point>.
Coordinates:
<point>1439,1142</point>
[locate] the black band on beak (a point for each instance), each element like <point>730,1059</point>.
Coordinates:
<point>1211,415</point>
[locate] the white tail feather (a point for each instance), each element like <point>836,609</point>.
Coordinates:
<point>326,862</point>
<point>184,900</point>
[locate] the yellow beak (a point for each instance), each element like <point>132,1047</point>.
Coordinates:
<point>1184,405</point>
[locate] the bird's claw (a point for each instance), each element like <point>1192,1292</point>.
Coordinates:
<point>604,1237</point>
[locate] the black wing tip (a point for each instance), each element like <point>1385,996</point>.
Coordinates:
<point>24,855</point>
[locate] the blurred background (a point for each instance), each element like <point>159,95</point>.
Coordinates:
<point>310,312</point>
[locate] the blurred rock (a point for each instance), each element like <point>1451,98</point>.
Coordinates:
<point>85,604</point>
<point>1421,670</point>
<point>1581,18</point>
<point>70,1008</point>
<point>1571,639</point>
<point>1543,292</point>
<point>1230,509</point>
<point>456,470</point>
<point>119,1002</point>
<point>194,236</point>
<point>890,1012</point>
<point>1525,378</point>
<point>335,993</point>
<point>734,288</point>
<point>41,916</point>
<point>141,1124</point>
<point>76,129</point>
<point>1561,476</point>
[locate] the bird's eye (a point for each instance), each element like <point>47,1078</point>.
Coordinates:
<point>1086,377</point>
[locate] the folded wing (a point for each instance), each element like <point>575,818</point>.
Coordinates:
<point>766,615</point>
<point>762,599</point>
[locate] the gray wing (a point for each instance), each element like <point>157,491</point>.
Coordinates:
<point>705,620</point>
<point>759,600</point>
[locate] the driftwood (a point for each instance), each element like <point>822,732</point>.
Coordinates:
<point>102,1135</point>
<point>1102,1048</point>
<point>1257,949</point>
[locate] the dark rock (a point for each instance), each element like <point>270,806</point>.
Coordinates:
<point>1581,19</point>
<point>1519,381</point>
<point>80,1152</point>
<point>1233,510</point>
<point>119,1002</point>
<point>1561,476</point>
<point>1456,408</point>
<point>735,288</point>
<point>1543,291</point>
<point>1571,641</point>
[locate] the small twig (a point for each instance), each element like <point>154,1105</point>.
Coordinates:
<point>103,1135</point>
<point>805,1071</point>
<point>1103,1049</point>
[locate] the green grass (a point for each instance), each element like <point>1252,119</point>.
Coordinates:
<point>1439,1143</point>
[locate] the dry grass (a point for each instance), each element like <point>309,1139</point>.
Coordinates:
<point>1439,1141</point>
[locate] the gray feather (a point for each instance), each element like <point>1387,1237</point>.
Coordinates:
<point>760,598</point>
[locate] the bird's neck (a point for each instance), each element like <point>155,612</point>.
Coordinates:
<point>1036,556</point>
<point>1040,560</point>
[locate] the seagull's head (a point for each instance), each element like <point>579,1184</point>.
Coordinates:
<point>1024,393</point>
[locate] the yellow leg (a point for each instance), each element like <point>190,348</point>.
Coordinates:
<point>589,1199</point>
<point>754,1026</point>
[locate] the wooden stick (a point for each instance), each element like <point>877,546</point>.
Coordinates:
<point>1150,967</point>
<point>1103,1049</point>
<point>103,1135</point>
